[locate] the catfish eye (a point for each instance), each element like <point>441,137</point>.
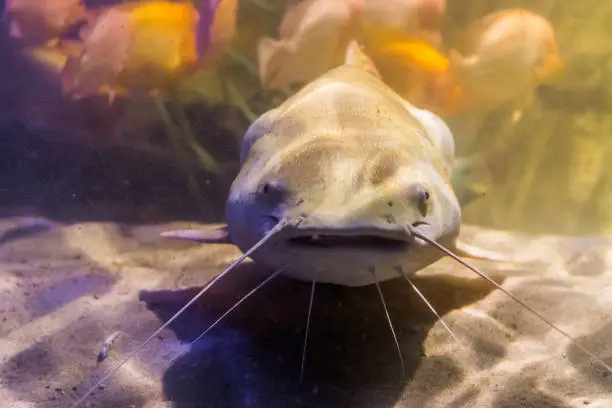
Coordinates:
<point>274,191</point>
<point>423,194</point>
<point>420,197</point>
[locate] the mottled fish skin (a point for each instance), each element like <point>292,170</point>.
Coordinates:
<point>348,164</point>
<point>353,158</point>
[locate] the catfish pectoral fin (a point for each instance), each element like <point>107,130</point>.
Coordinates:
<point>465,250</point>
<point>211,235</point>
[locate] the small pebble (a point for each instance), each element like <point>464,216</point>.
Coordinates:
<point>106,346</point>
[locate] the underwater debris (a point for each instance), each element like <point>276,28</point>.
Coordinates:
<point>106,346</point>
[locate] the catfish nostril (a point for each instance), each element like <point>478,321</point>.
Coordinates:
<point>389,218</point>
<point>299,220</point>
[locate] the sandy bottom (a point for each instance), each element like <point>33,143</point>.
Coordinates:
<point>66,285</point>
<point>65,288</point>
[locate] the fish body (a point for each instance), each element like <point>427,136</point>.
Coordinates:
<point>355,163</point>
<point>407,63</point>
<point>38,21</point>
<point>400,36</point>
<point>358,162</point>
<point>218,23</point>
<point>146,47</point>
<point>313,37</point>
<point>507,55</point>
<point>106,43</point>
<point>420,19</point>
<point>54,57</point>
<point>416,55</point>
<point>162,43</point>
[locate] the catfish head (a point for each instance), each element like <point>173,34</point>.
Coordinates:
<point>340,180</point>
<point>347,186</point>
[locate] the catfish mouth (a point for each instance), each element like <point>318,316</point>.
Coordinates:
<point>347,240</point>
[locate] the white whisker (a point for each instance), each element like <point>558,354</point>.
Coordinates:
<point>430,306</point>
<point>382,298</point>
<point>415,232</point>
<point>278,227</point>
<point>303,363</point>
<point>231,309</point>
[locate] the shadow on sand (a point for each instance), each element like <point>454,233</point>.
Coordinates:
<point>252,358</point>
